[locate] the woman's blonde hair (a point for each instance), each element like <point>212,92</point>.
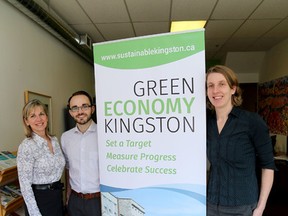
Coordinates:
<point>232,81</point>
<point>27,109</point>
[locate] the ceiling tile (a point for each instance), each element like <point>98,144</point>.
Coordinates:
<point>233,25</point>
<point>264,44</point>
<point>255,28</point>
<point>279,31</point>
<point>148,28</point>
<point>105,11</point>
<point>221,28</point>
<point>192,9</point>
<point>149,10</point>
<point>271,9</point>
<point>234,9</point>
<point>115,31</point>
<point>70,11</point>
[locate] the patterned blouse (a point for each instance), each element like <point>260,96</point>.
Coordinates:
<point>37,165</point>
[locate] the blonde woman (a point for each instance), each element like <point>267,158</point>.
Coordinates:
<point>40,164</point>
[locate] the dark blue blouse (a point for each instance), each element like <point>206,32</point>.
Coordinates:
<point>233,154</point>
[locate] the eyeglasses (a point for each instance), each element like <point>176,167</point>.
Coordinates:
<point>84,107</point>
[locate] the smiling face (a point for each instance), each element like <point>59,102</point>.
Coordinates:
<point>219,92</point>
<point>81,109</point>
<point>37,120</point>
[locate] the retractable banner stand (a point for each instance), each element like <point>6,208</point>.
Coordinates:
<point>150,101</point>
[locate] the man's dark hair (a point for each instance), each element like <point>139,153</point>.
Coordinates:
<point>80,93</point>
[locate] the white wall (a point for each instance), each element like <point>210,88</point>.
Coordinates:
<point>32,59</point>
<point>275,64</point>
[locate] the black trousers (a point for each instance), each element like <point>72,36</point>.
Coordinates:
<point>82,207</point>
<point>50,202</point>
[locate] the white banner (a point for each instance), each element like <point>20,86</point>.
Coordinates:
<point>150,101</point>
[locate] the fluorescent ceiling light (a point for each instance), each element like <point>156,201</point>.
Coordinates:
<point>186,25</point>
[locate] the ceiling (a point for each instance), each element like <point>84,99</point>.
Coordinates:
<point>232,25</point>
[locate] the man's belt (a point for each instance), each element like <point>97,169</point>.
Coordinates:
<point>86,196</point>
<point>52,186</point>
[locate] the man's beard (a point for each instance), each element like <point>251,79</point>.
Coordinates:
<point>81,121</point>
